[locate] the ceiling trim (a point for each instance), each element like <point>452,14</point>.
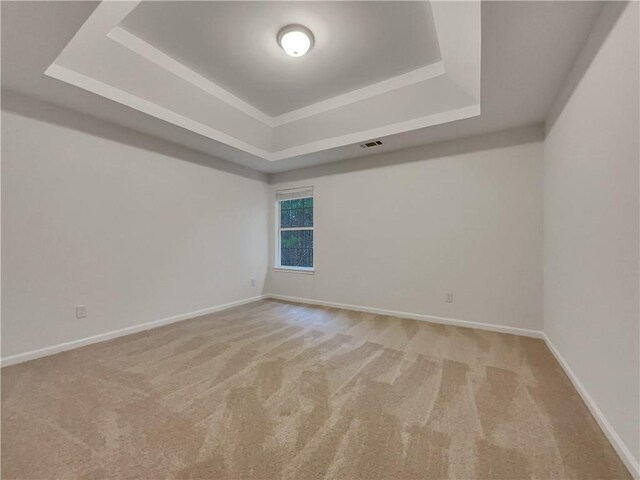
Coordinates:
<point>391,129</point>
<point>125,98</point>
<point>158,57</point>
<point>79,65</point>
<point>79,80</point>
<point>393,83</point>
<point>161,59</point>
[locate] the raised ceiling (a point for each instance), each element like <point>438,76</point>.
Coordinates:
<point>528,49</point>
<point>233,45</point>
<point>398,95</point>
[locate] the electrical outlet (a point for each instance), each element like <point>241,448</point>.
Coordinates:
<point>253,282</point>
<point>448,298</point>
<point>81,311</point>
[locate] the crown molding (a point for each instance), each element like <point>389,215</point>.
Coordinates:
<point>161,59</point>
<point>154,55</point>
<point>125,98</point>
<point>101,50</point>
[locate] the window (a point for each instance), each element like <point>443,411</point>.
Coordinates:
<point>294,242</point>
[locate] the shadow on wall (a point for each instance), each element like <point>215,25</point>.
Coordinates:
<point>598,35</point>
<point>57,115</point>
<point>477,143</point>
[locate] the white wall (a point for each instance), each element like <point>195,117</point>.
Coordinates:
<point>591,286</point>
<point>133,234</point>
<point>463,217</point>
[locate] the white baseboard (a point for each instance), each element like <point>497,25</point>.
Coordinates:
<point>615,440</point>
<point>416,316</point>
<point>101,337</point>
<point>607,428</point>
<point>609,431</point>
<point>81,342</point>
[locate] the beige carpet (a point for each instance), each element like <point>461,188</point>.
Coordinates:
<point>275,390</point>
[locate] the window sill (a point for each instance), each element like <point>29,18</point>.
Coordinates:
<point>305,270</point>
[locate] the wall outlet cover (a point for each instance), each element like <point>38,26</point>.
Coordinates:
<point>81,311</point>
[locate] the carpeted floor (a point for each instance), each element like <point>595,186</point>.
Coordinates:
<point>274,390</point>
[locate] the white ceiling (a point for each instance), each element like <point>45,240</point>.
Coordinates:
<point>233,44</point>
<point>528,49</point>
<point>108,60</point>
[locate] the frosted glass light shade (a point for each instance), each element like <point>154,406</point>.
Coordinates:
<point>295,40</point>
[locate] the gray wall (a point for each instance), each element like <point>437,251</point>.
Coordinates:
<point>591,213</point>
<point>135,229</point>
<point>463,217</point>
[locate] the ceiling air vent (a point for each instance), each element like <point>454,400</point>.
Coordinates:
<point>373,143</point>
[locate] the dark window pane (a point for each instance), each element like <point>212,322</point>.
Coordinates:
<point>307,257</point>
<point>290,239</point>
<point>296,213</point>
<point>296,217</point>
<point>285,218</point>
<point>296,248</point>
<point>307,217</point>
<point>299,217</point>
<point>307,238</point>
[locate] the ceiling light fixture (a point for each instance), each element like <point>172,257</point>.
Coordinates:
<point>296,40</point>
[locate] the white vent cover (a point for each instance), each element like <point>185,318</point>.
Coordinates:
<point>372,143</point>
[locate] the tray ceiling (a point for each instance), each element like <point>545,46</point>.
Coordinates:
<point>232,44</point>
<point>412,65</point>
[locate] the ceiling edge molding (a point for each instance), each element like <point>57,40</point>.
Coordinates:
<point>161,59</point>
<point>87,83</point>
<point>405,126</point>
<point>57,114</point>
<point>388,85</point>
<point>158,57</point>
<point>103,26</point>
<point>491,140</point>
<point>100,88</point>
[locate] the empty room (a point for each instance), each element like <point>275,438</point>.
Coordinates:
<point>299,240</point>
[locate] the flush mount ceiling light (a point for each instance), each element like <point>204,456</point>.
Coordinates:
<point>295,40</point>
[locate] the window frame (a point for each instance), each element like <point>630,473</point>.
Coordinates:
<point>277,259</point>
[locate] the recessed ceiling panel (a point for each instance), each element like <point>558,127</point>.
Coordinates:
<point>233,44</point>
<point>517,37</point>
<point>392,90</point>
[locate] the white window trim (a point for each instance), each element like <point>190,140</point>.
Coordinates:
<point>284,268</point>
